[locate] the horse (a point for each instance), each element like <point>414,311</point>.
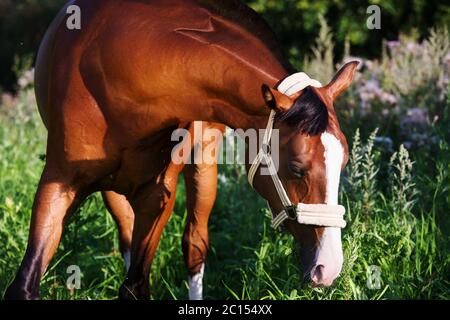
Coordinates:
<point>111,94</point>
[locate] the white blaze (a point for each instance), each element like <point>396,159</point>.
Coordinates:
<point>334,156</point>
<point>196,285</point>
<point>329,253</point>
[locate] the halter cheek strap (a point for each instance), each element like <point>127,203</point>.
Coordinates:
<point>309,214</point>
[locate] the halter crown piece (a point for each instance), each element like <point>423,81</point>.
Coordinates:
<point>310,214</point>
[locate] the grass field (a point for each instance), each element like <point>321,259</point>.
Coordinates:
<point>397,204</point>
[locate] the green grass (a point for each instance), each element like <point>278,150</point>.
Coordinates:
<point>398,220</point>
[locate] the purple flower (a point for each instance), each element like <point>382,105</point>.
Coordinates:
<point>415,128</point>
<point>9,100</point>
<point>26,79</point>
<point>392,45</point>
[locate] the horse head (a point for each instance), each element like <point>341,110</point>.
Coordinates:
<point>303,191</point>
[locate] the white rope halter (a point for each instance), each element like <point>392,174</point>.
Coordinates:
<point>310,214</point>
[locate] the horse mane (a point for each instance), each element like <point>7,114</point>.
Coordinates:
<point>309,114</point>
<point>248,19</point>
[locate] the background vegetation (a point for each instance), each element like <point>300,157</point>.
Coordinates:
<point>24,22</point>
<point>396,187</point>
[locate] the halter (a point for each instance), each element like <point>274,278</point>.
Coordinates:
<point>309,214</point>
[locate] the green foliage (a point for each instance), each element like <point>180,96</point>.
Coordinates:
<point>415,71</point>
<point>402,186</point>
<point>321,66</point>
<point>363,171</point>
<point>387,227</point>
<point>22,27</point>
<point>297,22</point>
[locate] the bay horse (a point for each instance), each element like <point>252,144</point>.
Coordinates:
<point>111,94</point>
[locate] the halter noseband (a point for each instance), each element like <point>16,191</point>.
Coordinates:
<point>310,214</point>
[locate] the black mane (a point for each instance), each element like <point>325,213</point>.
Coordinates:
<point>309,114</point>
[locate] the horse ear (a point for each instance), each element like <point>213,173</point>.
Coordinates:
<point>275,100</point>
<point>342,80</point>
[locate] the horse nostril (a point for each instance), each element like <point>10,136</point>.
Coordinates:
<point>317,274</point>
<point>322,276</point>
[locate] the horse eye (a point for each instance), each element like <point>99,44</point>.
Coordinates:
<point>296,171</point>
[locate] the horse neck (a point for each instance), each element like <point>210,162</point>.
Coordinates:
<point>239,102</point>
<point>234,91</point>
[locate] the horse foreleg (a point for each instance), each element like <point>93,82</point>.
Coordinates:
<point>201,185</point>
<point>201,188</point>
<point>54,201</point>
<point>153,205</point>
<point>123,215</point>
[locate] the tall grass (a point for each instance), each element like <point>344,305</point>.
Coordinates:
<point>397,205</point>
<point>397,215</point>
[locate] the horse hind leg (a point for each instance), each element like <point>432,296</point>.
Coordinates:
<point>123,215</point>
<point>56,198</point>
